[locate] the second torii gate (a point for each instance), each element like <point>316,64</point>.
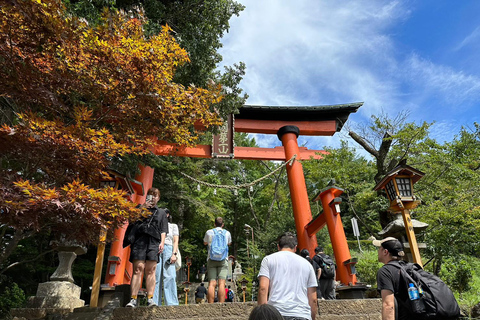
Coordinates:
<point>287,123</point>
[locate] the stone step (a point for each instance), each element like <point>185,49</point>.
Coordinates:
<point>348,309</point>
<point>361,309</point>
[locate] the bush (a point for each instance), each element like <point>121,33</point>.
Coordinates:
<point>12,297</point>
<point>457,273</point>
<point>367,266</point>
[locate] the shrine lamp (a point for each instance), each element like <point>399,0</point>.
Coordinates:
<point>188,260</point>
<point>335,204</point>
<point>244,283</point>
<point>398,185</point>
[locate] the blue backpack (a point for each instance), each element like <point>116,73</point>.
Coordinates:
<point>219,246</point>
<point>230,295</point>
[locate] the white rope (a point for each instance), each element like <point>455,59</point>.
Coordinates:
<point>240,186</point>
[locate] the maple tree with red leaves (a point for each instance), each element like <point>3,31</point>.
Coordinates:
<point>79,96</point>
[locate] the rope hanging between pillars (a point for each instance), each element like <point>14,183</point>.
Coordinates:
<point>240,186</point>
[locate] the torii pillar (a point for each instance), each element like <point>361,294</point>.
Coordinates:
<point>298,190</point>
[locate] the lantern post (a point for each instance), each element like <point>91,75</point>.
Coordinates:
<point>398,185</point>
<point>244,287</point>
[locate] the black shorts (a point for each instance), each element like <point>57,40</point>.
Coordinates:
<point>145,248</point>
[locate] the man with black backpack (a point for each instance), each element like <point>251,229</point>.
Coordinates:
<point>218,240</point>
<point>430,297</point>
<point>326,284</point>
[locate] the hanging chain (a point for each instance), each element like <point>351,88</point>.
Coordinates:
<point>240,186</point>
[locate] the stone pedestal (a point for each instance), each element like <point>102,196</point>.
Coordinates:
<point>60,295</point>
<point>64,269</point>
<point>57,294</point>
<point>237,272</point>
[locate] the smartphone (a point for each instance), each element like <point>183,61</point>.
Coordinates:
<point>149,198</point>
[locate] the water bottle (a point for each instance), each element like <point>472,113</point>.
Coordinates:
<point>413,292</point>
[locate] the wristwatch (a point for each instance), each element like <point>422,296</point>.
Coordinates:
<point>175,253</point>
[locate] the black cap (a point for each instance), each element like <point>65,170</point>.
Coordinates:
<point>392,244</point>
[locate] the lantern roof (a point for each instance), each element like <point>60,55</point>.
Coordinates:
<point>401,170</point>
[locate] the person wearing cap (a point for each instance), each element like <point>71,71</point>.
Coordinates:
<point>166,273</point>
<point>389,281</point>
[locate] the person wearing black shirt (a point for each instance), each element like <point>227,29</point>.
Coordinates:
<point>389,281</point>
<point>326,284</point>
<point>200,293</point>
<point>145,251</point>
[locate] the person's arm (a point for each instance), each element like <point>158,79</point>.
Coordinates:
<point>162,243</point>
<point>173,258</point>
<point>312,301</point>
<point>388,305</point>
<point>205,239</point>
<point>264,283</point>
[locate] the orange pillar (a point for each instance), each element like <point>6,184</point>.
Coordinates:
<point>337,236</point>
<point>118,264</point>
<point>298,190</point>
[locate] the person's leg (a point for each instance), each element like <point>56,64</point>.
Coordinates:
<point>157,294</point>
<point>138,268</point>
<point>169,279</point>
<point>222,276</point>
<point>221,290</point>
<point>211,290</point>
<point>330,290</point>
<point>322,286</point>
<point>150,266</point>
<point>212,276</point>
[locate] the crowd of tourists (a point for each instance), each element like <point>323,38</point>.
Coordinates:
<point>154,254</point>
<point>154,251</point>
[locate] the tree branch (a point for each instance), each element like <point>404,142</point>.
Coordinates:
<point>361,141</point>
<point>25,261</point>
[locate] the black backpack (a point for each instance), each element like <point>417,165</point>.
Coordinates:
<point>436,299</point>
<point>327,265</point>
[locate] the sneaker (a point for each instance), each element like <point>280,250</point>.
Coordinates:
<point>132,303</point>
<point>151,303</point>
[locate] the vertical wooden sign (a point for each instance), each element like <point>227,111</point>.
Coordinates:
<point>223,146</point>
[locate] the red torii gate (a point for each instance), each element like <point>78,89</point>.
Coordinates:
<point>288,123</point>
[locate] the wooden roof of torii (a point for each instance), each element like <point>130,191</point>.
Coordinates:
<point>311,120</point>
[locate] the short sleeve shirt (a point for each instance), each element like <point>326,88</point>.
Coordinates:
<point>209,237</point>
<point>388,278</point>
<point>290,277</point>
<point>172,231</point>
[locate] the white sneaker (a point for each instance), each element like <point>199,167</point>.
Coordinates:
<point>151,303</point>
<point>132,303</point>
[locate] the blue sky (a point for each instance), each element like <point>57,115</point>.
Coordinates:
<point>420,56</point>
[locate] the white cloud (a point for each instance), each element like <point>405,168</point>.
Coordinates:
<point>455,87</point>
<point>328,52</point>
<point>472,38</point>
<point>313,53</point>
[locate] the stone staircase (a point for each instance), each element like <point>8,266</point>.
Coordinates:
<point>348,309</point>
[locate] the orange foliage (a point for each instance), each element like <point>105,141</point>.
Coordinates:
<point>85,95</point>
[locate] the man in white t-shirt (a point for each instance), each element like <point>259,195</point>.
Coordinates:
<point>217,269</point>
<point>290,281</point>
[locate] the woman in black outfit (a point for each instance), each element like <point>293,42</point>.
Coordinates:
<point>149,243</point>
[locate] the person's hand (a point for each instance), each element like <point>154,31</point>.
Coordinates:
<point>160,248</point>
<point>173,258</point>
